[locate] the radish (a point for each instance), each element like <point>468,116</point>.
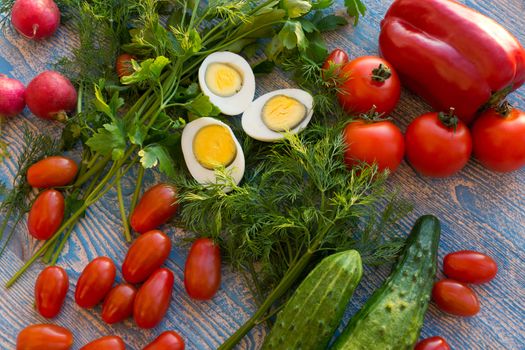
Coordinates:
<point>35,19</point>
<point>50,95</point>
<point>12,100</point>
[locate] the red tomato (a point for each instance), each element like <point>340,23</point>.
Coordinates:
<point>337,58</point>
<point>110,342</point>
<point>372,83</point>
<point>157,205</point>
<point>499,141</point>
<point>124,66</point>
<point>95,282</point>
<point>51,289</point>
<point>202,273</point>
<point>44,337</point>
<point>434,343</point>
<point>119,303</point>
<point>455,298</point>
<point>169,340</point>
<point>153,299</point>
<point>146,255</point>
<point>435,149</point>
<point>46,214</point>
<point>374,142</point>
<point>470,267</point>
<point>51,172</point>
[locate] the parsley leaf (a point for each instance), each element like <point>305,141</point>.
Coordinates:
<point>296,8</point>
<point>149,69</point>
<point>330,22</point>
<point>157,155</point>
<point>202,107</point>
<point>355,8</point>
<point>109,140</point>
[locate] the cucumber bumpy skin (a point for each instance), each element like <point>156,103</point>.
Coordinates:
<point>311,316</point>
<point>393,316</point>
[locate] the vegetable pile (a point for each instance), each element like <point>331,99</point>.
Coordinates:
<point>288,194</point>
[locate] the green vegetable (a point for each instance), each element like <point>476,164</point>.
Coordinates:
<point>311,316</point>
<point>393,316</point>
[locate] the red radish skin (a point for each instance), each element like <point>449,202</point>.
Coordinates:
<point>35,19</point>
<point>12,96</point>
<point>50,95</point>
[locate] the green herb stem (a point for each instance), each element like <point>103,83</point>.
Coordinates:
<point>138,187</point>
<point>122,208</point>
<point>63,241</point>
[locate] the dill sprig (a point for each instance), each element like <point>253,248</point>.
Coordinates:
<point>16,201</point>
<point>299,203</point>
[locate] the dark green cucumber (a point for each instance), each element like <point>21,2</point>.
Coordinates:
<point>311,316</point>
<point>393,316</point>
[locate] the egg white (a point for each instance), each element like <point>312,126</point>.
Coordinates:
<point>236,104</point>
<point>200,173</point>
<point>254,126</point>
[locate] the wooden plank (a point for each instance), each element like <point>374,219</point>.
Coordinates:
<point>479,210</point>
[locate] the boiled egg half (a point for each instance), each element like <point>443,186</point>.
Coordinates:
<point>228,80</point>
<point>271,115</point>
<point>207,144</point>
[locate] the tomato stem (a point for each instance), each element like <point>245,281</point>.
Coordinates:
<point>503,109</point>
<point>450,119</point>
<point>381,73</point>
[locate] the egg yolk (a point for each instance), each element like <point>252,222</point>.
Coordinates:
<point>222,79</point>
<point>281,113</point>
<point>213,146</point>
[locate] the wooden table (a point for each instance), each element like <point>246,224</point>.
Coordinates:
<point>479,210</point>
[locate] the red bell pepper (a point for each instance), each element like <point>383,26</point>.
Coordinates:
<point>451,55</point>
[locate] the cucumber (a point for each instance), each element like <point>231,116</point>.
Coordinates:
<point>393,316</point>
<point>311,316</point>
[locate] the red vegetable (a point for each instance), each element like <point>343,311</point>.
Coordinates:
<point>434,343</point>
<point>35,19</point>
<point>110,342</point>
<point>44,337</point>
<point>51,172</point>
<point>202,273</point>
<point>50,95</point>
<point>145,256</point>
<point>119,303</point>
<point>374,142</point>
<point>455,298</point>
<point>12,97</point>
<point>169,340</point>
<point>372,84</point>
<point>451,55</point>
<point>469,267</point>
<point>123,65</point>
<point>46,214</point>
<point>337,58</point>
<point>499,139</point>
<point>51,289</point>
<point>435,147</point>
<point>153,299</point>
<point>95,282</point>
<point>157,205</point>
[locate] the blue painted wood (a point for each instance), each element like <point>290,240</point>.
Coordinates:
<point>479,210</point>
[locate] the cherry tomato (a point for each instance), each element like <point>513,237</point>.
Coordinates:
<point>157,205</point>
<point>153,299</point>
<point>434,148</point>
<point>95,282</point>
<point>433,343</point>
<point>337,58</point>
<point>51,172</point>
<point>499,141</point>
<point>51,289</point>
<point>374,142</point>
<point>119,303</point>
<point>124,66</point>
<point>44,337</point>
<point>169,340</point>
<point>46,214</point>
<point>470,267</point>
<point>455,298</point>
<point>372,83</point>
<point>202,273</point>
<point>110,342</point>
<point>146,255</point>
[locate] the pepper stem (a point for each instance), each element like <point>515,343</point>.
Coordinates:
<point>449,119</point>
<point>381,73</point>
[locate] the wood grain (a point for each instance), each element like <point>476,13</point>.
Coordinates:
<point>479,210</point>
